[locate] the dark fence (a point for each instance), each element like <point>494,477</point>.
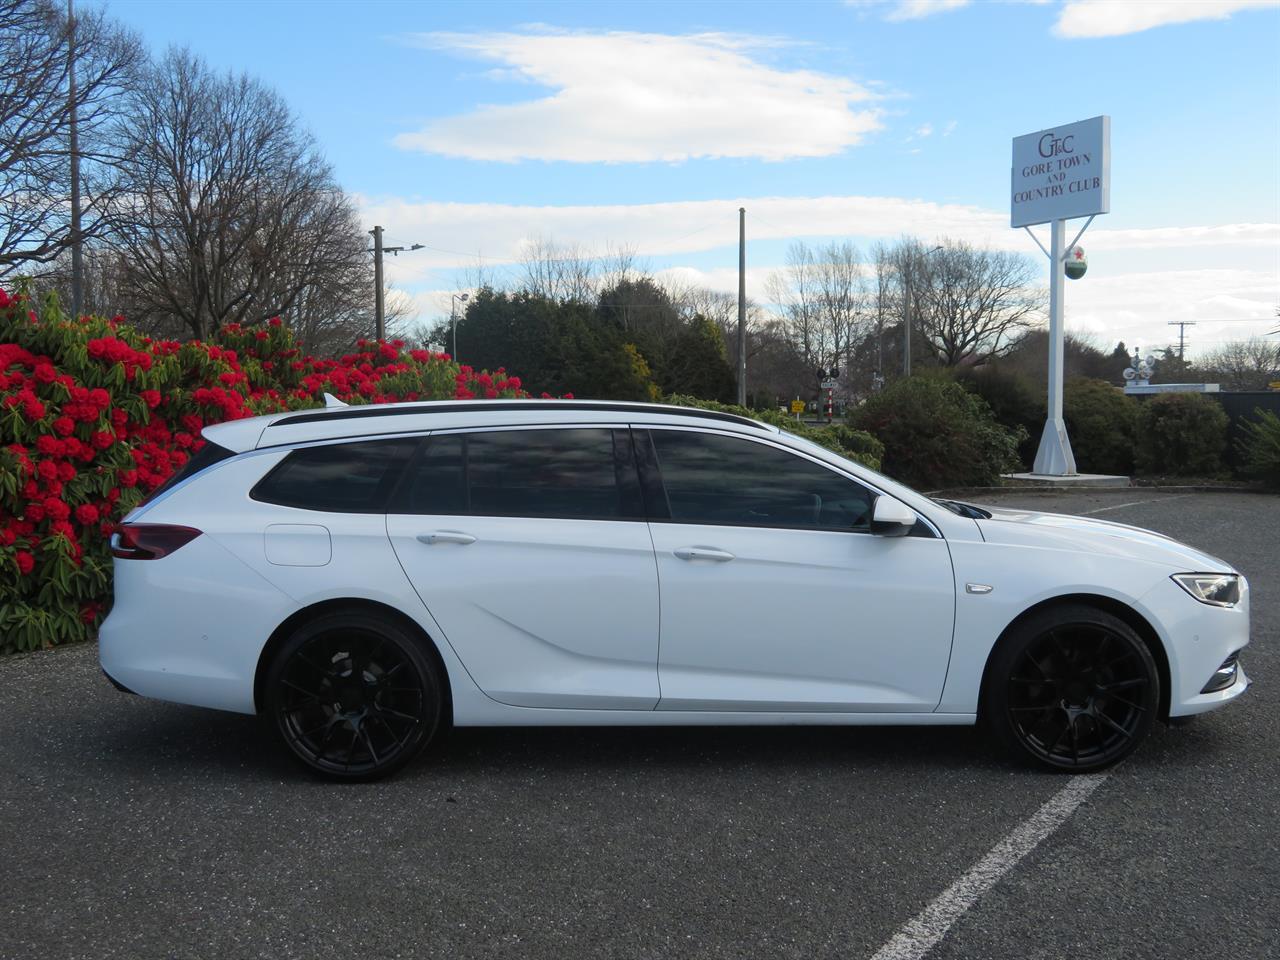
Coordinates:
<point>1239,407</point>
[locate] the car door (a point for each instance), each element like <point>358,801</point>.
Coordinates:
<point>530,550</point>
<point>775,595</point>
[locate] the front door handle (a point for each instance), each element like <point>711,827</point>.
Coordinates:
<point>703,553</point>
<point>446,536</point>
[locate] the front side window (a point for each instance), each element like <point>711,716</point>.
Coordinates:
<point>339,477</point>
<point>586,473</point>
<point>715,479</point>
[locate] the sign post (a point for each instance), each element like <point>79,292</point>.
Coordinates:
<point>1059,174</point>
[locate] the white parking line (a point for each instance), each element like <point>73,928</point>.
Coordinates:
<point>922,933</point>
<point>1136,503</point>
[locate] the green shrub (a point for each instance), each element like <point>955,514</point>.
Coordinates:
<point>937,434</point>
<point>1260,447</point>
<point>1016,401</point>
<point>1181,434</point>
<point>839,438</point>
<point>1101,422</point>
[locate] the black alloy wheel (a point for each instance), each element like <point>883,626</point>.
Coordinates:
<point>1073,688</point>
<point>353,697</point>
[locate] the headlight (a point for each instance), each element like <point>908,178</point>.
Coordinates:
<point>1218,589</point>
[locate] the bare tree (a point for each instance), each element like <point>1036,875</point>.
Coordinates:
<point>822,295</point>
<point>232,214</point>
<point>972,302</point>
<point>35,125</point>
<point>1241,364</point>
<point>559,272</point>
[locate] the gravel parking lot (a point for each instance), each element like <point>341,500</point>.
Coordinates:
<point>139,829</point>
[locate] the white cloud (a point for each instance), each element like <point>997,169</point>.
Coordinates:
<point>1137,307</point>
<point>495,233</point>
<point>949,129</point>
<point>622,97</point>
<point>1138,279</point>
<point>919,9</point>
<point>1113,18</point>
<point>924,130</point>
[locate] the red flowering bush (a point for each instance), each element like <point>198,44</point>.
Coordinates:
<point>94,415</point>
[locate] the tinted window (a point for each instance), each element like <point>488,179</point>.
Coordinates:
<point>576,474</point>
<point>724,480</point>
<point>338,478</point>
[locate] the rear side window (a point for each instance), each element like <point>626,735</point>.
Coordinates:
<point>584,474</point>
<point>338,478</point>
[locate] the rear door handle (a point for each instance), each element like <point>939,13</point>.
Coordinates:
<point>702,553</point>
<point>446,536</point>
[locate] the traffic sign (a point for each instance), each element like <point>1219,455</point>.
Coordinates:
<point>828,384</point>
<point>797,406</point>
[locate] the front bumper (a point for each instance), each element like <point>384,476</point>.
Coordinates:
<point>1199,639</point>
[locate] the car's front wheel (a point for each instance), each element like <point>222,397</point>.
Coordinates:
<point>1072,688</point>
<point>353,696</point>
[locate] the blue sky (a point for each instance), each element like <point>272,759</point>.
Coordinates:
<point>474,127</point>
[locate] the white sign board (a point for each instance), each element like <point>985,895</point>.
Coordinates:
<point>1061,173</point>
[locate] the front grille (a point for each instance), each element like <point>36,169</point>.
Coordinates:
<point>1224,676</point>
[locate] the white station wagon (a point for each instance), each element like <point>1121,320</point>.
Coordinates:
<point>364,576</point>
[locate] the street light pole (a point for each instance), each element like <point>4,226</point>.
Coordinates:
<point>455,299</point>
<point>907,296</point>
<point>742,306</point>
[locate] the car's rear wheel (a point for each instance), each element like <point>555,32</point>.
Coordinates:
<point>1072,688</point>
<point>353,696</point>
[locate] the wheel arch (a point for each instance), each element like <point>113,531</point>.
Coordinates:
<point>1117,608</point>
<point>357,604</point>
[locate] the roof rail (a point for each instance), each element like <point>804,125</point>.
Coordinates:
<point>460,406</point>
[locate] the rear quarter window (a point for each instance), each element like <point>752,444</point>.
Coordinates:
<point>338,478</point>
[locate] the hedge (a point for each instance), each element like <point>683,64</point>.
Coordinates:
<point>94,415</point>
<point>936,434</point>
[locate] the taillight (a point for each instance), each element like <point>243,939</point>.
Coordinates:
<point>149,541</point>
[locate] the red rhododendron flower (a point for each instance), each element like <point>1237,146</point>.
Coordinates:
<point>151,397</point>
<point>64,425</point>
<point>87,514</point>
<point>25,561</point>
<point>102,439</point>
<point>56,509</point>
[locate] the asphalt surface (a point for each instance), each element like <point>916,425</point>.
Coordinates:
<point>133,828</point>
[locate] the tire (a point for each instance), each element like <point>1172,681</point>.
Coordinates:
<point>353,696</point>
<point>1071,688</point>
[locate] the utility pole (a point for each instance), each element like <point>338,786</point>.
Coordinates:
<point>379,323</point>
<point>742,306</point>
<point>906,314</point>
<point>77,265</point>
<point>1182,336</point>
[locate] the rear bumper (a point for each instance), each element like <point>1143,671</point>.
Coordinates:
<point>174,634</point>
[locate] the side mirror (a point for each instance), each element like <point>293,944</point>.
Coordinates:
<point>891,518</point>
